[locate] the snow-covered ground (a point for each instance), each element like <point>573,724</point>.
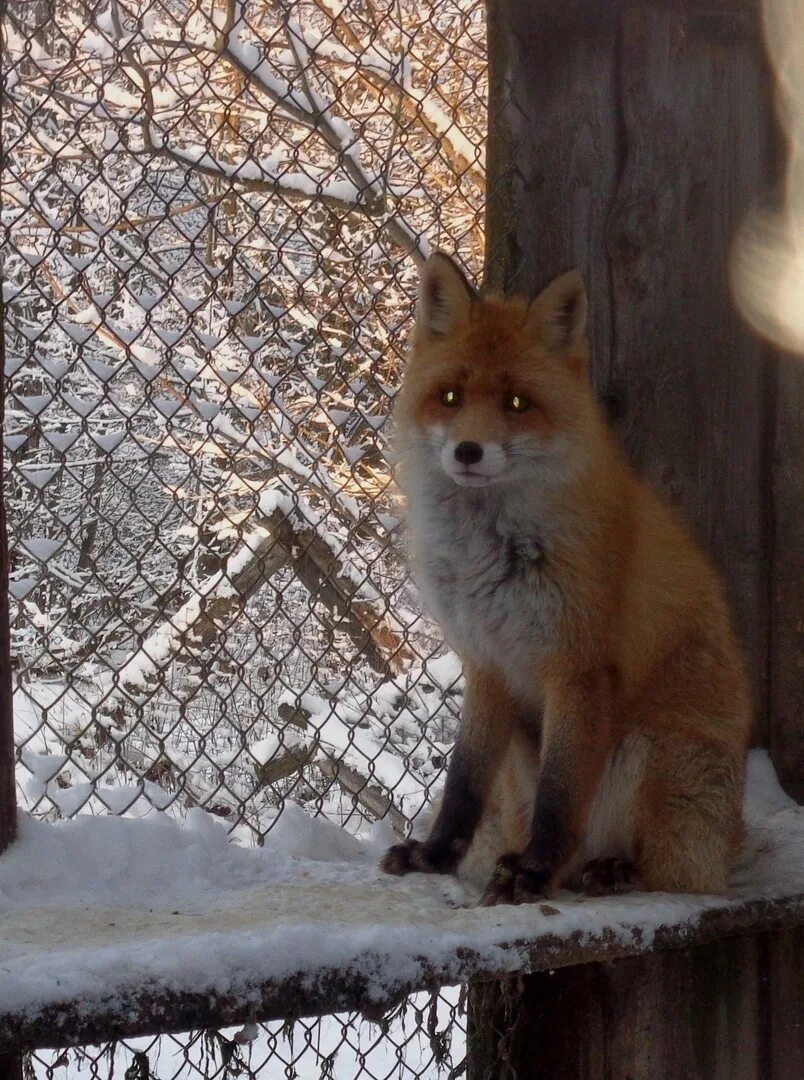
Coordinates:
<point>98,910</point>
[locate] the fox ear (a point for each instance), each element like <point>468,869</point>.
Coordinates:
<point>445,298</point>
<point>561,311</point>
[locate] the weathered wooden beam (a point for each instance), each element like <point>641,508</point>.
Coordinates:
<point>11,1066</point>
<point>729,1010</point>
<point>274,543</point>
<point>631,139</point>
<point>362,620</point>
<point>353,986</point>
<point>786,458</point>
<point>370,795</point>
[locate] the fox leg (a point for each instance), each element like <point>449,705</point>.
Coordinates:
<point>576,739</point>
<point>485,732</point>
<point>688,813</point>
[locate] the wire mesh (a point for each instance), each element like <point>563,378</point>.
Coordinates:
<point>424,1037</point>
<point>212,214</point>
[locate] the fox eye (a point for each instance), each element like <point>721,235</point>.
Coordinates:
<point>517,403</point>
<point>450,398</point>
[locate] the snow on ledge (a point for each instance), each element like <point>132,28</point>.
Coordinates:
<point>112,927</point>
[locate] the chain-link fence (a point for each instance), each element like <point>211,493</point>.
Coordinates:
<point>212,215</point>
<point>425,1037</point>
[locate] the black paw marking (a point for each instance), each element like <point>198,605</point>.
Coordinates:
<point>513,883</point>
<point>604,877</point>
<point>414,856</point>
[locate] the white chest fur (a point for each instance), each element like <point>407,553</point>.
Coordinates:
<point>483,564</point>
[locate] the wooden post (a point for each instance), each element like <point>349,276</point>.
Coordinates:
<point>732,1010</point>
<point>11,1066</point>
<point>8,802</point>
<point>631,139</point>
<point>787,574</point>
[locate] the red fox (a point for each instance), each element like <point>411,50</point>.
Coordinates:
<point>602,671</point>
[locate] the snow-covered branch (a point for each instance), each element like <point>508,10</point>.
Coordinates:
<point>263,176</point>
<point>341,181</point>
<point>287,532</point>
<point>403,75</point>
<point>210,220</point>
<point>197,623</point>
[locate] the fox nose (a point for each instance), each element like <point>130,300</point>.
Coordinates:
<point>468,453</point>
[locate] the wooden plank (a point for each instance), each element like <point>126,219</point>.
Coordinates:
<point>696,122</point>
<point>784,986</point>
<point>681,94</point>
<point>631,139</point>
<point>787,581</point>
<point>11,1066</point>
<point>147,1010</point>
<point>696,1014</point>
<point>554,153</point>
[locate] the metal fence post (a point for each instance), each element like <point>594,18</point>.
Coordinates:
<point>8,801</point>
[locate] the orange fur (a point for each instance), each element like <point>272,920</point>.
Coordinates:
<point>638,656</point>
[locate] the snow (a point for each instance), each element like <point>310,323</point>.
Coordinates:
<point>20,587</point>
<point>250,59</point>
<point>264,171</point>
<point>41,548</point>
<point>109,442</point>
<point>445,671</point>
<point>165,641</point>
<point>34,403</point>
<point>62,440</point>
<point>97,909</point>
<point>39,475</point>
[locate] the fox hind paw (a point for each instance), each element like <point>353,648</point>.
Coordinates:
<point>512,883</point>
<point>398,859</point>
<point>606,877</point>
<point>414,856</point>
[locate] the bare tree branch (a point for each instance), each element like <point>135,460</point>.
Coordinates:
<point>377,802</point>
<point>401,76</point>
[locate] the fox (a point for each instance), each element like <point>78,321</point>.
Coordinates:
<point>607,711</point>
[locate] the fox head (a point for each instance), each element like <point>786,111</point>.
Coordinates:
<point>495,389</point>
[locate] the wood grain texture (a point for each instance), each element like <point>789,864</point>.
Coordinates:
<point>695,117</point>
<point>632,139</point>
<point>784,984</point>
<point>11,1066</point>
<point>697,1014</point>
<point>148,1010</point>
<point>787,581</point>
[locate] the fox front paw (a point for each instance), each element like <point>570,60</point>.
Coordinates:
<point>515,883</point>
<point>417,856</point>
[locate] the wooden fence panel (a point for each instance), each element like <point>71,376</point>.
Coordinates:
<point>787,581</point>
<point>632,139</point>
<point>730,1010</point>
